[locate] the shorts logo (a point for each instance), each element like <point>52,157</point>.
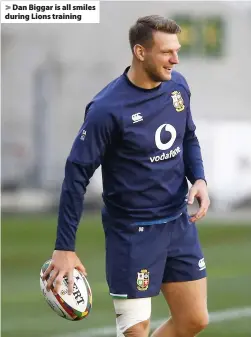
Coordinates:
<point>178,102</point>
<point>202,264</point>
<point>143,280</point>
<point>83,135</point>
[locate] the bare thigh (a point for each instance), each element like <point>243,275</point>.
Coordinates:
<point>187,300</point>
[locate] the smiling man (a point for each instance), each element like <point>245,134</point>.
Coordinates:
<point>139,128</point>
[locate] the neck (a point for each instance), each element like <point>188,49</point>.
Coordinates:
<point>139,77</point>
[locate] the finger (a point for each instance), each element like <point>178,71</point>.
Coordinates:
<point>47,271</point>
<point>58,281</point>
<point>82,269</point>
<point>70,282</point>
<point>196,217</point>
<point>205,202</point>
<point>201,212</point>
<point>191,196</point>
<point>192,218</point>
<point>51,279</point>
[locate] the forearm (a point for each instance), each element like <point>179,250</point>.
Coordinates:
<point>71,205</point>
<point>194,168</point>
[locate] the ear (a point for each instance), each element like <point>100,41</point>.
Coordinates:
<point>139,52</point>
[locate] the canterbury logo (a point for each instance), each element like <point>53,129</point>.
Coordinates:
<point>137,117</point>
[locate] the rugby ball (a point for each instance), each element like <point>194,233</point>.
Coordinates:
<point>73,307</point>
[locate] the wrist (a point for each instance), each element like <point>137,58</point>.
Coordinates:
<point>200,181</point>
<point>64,248</point>
<point>64,243</point>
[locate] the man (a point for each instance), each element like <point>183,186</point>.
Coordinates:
<point>139,128</point>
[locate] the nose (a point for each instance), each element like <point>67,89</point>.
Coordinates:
<point>174,59</point>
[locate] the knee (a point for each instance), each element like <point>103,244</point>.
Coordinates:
<point>133,317</point>
<point>199,323</point>
<point>193,325</point>
<point>139,330</point>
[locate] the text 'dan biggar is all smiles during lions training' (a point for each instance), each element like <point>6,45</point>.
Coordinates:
<point>63,12</point>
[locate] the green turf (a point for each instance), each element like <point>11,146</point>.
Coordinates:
<point>27,241</point>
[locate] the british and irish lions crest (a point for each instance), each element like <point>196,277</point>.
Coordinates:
<point>143,280</point>
<point>178,101</point>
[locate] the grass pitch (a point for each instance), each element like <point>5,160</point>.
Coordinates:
<point>27,241</point>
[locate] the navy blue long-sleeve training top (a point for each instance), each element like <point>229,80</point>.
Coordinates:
<point>145,142</point>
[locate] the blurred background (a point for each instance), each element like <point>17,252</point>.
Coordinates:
<point>49,73</point>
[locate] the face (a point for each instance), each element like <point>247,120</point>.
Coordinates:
<point>159,59</point>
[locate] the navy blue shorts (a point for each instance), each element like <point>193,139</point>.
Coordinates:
<point>139,258</point>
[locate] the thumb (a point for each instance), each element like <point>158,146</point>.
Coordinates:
<point>191,196</point>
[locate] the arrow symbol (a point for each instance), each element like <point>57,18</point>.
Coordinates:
<point>7,7</point>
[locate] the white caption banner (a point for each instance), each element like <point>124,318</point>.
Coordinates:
<point>50,11</point>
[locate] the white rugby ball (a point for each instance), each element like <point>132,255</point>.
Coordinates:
<point>73,307</point>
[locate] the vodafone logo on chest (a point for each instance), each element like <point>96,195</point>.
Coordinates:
<point>169,128</point>
<point>165,145</point>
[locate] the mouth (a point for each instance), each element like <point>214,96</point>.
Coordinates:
<point>168,69</point>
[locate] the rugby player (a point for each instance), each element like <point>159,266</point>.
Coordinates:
<point>140,129</point>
